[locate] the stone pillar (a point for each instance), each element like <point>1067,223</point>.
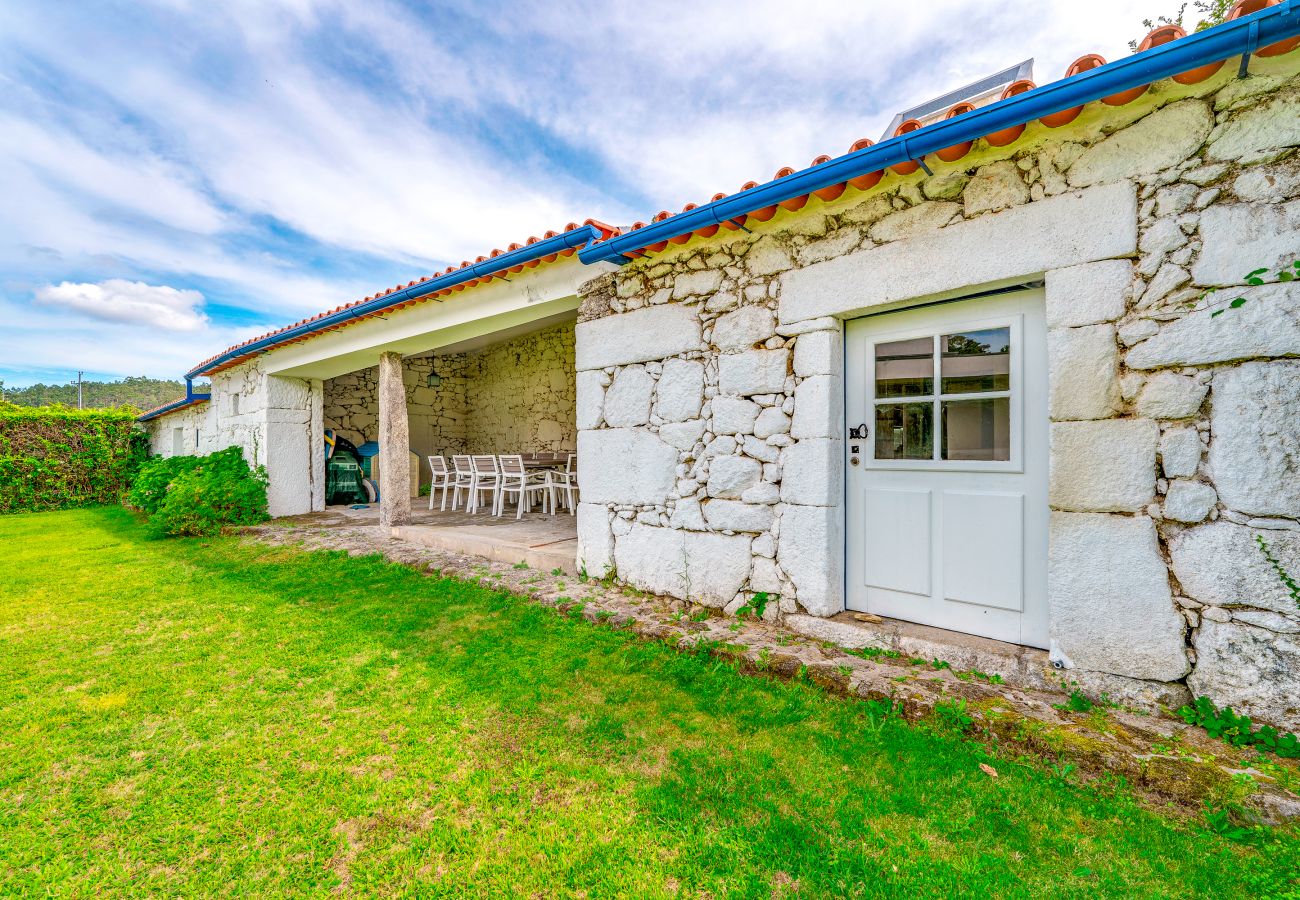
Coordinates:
<point>394,443</point>
<point>316,444</point>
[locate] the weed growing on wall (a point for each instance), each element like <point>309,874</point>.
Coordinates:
<point>1292,587</point>
<point>54,457</point>
<point>199,495</point>
<point>1238,730</point>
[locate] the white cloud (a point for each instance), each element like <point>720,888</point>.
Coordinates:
<point>42,339</point>
<point>129,302</point>
<point>183,133</point>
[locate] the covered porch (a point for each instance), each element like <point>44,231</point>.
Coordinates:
<point>490,377</point>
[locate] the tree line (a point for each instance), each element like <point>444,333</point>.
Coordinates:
<point>137,391</point>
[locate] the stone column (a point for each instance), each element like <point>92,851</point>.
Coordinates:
<point>394,444</point>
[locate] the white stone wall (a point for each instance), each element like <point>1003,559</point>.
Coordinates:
<point>275,421</point>
<point>709,385</point>
<point>196,421</point>
<point>515,395</point>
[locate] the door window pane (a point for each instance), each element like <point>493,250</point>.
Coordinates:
<point>976,361</point>
<point>905,431</point>
<point>977,429</point>
<point>905,368</point>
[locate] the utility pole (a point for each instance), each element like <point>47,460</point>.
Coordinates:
<point>79,374</point>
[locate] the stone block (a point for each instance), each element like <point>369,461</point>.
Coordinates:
<point>760,449</point>
<point>917,221</point>
<point>818,408</point>
<point>735,515</point>
<point>625,465</point>
<point>731,476</point>
<point>682,435</point>
<point>1251,669</point>
<point>765,577</point>
<point>652,333</point>
<point>1110,605</point>
<point>595,540</point>
<point>810,552</point>
<point>753,372</point>
<point>1180,452</point>
<point>689,565</point>
<point>1255,445</point>
<point>1237,238</point>
<point>590,398</point>
<point>742,329</point>
<point>767,256</point>
<point>1162,139</point>
<point>764,492</point>
<point>1189,501</point>
<point>812,472</point>
<point>653,559</point>
<point>997,186</point>
<point>1170,396</point>
<point>1219,564</point>
<point>1258,129</point>
<point>1103,466</point>
<point>1273,184</point>
<point>1083,372</point>
<point>733,416</point>
<point>680,390</point>
<point>771,421</point>
<point>1030,239</point>
<point>717,566</point>
<point>627,401</point>
<point>702,282</point>
<point>819,353</point>
<point>1088,294</point>
<point>1268,325</point>
<point>687,514</point>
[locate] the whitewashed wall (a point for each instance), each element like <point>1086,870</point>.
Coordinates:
<point>712,374</point>
<point>277,423</point>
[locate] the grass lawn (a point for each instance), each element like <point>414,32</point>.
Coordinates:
<point>212,717</point>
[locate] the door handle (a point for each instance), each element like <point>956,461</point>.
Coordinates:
<point>858,432</point>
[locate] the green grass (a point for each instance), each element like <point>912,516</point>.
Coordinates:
<point>208,717</point>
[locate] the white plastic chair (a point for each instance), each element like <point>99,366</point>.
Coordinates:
<point>566,483</point>
<point>486,477</point>
<point>463,480</point>
<point>442,478</point>
<point>516,479</point>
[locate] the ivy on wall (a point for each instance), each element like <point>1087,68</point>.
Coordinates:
<point>54,457</point>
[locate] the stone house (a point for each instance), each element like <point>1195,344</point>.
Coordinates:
<point>1004,374</point>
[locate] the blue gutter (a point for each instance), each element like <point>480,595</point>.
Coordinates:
<point>560,242</point>
<point>1239,37</point>
<point>190,399</point>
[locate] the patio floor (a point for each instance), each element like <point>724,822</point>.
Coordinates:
<point>541,541</point>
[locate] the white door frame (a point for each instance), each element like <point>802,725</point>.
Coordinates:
<point>1016,605</point>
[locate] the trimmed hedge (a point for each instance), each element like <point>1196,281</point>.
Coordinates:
<point>198,495</point>
<point>54,457</point>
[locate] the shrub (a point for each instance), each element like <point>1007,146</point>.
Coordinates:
<point>53,457</point>
<point>199,495</point>
<point>157,474</point>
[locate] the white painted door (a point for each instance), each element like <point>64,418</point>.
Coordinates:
<point>947,466</point>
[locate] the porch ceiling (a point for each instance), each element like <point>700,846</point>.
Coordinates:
<point>497,311</point>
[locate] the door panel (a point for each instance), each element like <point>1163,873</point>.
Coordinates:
<point>898,540</point>
<point>982,542</point>
<point>946,512</point>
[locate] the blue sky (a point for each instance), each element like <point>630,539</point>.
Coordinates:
<point>177,176</point>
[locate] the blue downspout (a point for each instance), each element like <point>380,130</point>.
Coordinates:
<point>560,242</point>
<point>190,396</point>
<point>1241,36</point>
